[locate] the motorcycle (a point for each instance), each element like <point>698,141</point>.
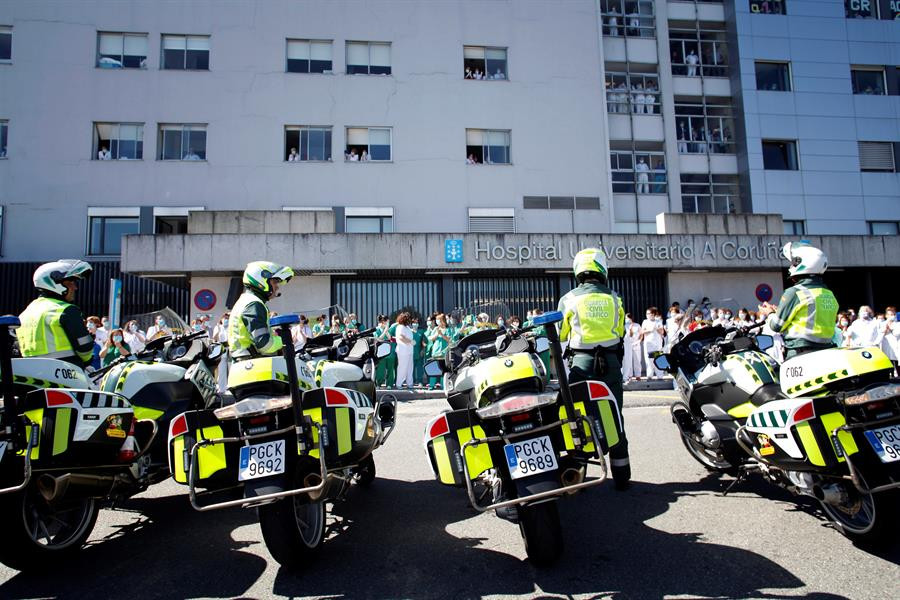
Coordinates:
<point>69,445</point>
<point>300,432</point>
<point>824,424</point>
<point>515,445</point>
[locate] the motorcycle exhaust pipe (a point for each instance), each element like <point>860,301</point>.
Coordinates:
<point>830,493</point>
<point>74,485</point>
<point>571,476</point>
<point>334,485</point>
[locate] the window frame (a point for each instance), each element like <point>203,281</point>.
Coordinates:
<point>876,12</point>
<point>705,142</point>
<point>185,127</point>
<point>370,44</point>
<point>484,148</point>
<point>186,37</point>
<point>789,79</point>
<point>300,129</point>
<point>122,56</point>
<point>629,105</point>
<point>383,214</point>
<point>309,42</point>
<point>104,214</point>
<point>724,193</point>
<point>890,145</point>
<point>717,39</point>
<point>95,142</point>
<point>484,60</point>
<point>796,148</point>
<point>643,29</point>
<point>7,30</point>
<point>4,134</point>
<point>797,226</point>
<point>872,224</point>
<point>868,69</point>
<point>632,181</point>
<point>368,144</point>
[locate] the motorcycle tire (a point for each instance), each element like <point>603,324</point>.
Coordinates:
<point>37,534</point>
<point>293,529</point>
<point>365,471</point>
<point>868,519</point>
<point>704,456</point>
<point>541,530</point>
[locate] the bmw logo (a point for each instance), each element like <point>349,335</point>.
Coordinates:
<point>866,354</point>
<point>248,365</point>
<point>508,363</point>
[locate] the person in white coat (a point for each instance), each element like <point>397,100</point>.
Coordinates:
<point>653,334</point>
<point>404,336</point>
<point>631,360</point>
<point>692,61</point>
<point>864,331</point>
<point>673,326</point>
<point>643,176</point>
<point>890,342</point>
<point>220,336</point>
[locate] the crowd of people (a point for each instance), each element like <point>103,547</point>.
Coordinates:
<point>642,99</point>
<point>479,75</point>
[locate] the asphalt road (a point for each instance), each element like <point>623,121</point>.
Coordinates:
<point>672,535</point>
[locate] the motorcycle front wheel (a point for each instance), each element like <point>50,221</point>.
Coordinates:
<point>293,529</point>
<point>542,532</point>
<point>703,455</point>
<point>37,533</point>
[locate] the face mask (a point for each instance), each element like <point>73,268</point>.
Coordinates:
<point>742,315</point>
<point>91,327</point>
<point>197,327</point>
<point>500,322</point>
<point>415,326</point>
<point>879,319</point>
<point>117,339</point>
<point>160,322</point>
<point>727,317</point>
<point>844,322</point>
<point>673,314</point>
<point>515,324</point>
<point>628,321</point>
<point>133,328</point>
<point>891,317</point>
<point>105,323</point>
<point>865,315</point>
<point>431,323</point>
<point>698,319</point>
<point>721,314</point>
<point>225,322</point>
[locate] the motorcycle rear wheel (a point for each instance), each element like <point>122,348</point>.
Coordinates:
<point>866,518</point>
<point>36,534</point>
<point>541,530</point>
<point>293,529</point>
<point>365,471</point>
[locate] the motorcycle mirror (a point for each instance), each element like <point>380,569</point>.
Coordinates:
<point>215,351</point>
<point>662,362</point>
<point>433,369</point>
<point>541,344</point>
<point>383,350</point>
<point>764,342</point>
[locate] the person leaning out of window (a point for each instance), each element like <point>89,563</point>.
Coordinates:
<point>114,348</point>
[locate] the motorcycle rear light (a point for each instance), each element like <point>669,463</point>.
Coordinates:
<point>804,413</point>
<point>178,426</point>
<point>599,390</point>
<point>253,406</point>
<point>518,403</point>
<point>335,398</point>
<point>881,393</point>
<point>520,417</point>
<point>260,420</point>
<point>58,398</point>
<point>438,428</point>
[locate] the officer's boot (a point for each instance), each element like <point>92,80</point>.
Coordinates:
<point>619,464</point>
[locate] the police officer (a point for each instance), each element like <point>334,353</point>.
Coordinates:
<point>52,326</point>
<point>807,311</point>
<point>249,334</point>
<point>594,324</point>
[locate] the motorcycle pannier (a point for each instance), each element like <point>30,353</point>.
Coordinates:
<point>77,427</point>
<point>445,436</point>
<point>595,400</point>
<point>217,464</point>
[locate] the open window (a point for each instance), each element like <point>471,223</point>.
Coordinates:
<point>106,226</point>
<point>488,146</point>
<point>365,144</point>
<point>868,81</point>
<point>5,43</point>
<point>121,50</point>
<point>780,155</point>
<point>483,62</point>
<point>307,143</point>
<point>182,142</point>
<point>118,141</point>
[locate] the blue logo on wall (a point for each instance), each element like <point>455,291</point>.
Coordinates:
<point>453,251</point>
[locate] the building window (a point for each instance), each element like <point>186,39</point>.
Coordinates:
<point>884,227</point>
<point>368,220</point>
<point>181,142</point>
<point>185,52</point>
<point>561,202</point>
<point>118,141</point>
<point>368,144</point>
<point>309,56</point>
<point>699,52</point>
<point>861,9</point>
<point>709,194</point>
<point>368,58</point>
<point>5,43</point>
<point>868,80</point>
<point>4,134</point>
<point>794,227</point>
<point>492,220</point>
<point>170,224</point>
<point>638,172</point>
<point>705,126</point>
<point>480,62</point>
<point>769,7</point>
<point>633,18</point>
<point>302,144</point>
<point>876,156</point>
<point>632,92</point>
<point>487,146</point>
<point>773,76</point>
<point>779,155</point>
<point>105,232</point>
<point>121,50</point>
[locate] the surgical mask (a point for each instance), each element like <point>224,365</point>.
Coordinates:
<point>431,323</point>
<point>105,323</point>
<point>117,339</point>
<point>865,315</point>
<point>160,322</point>
<point>132,328</point>
<point>197,327</point>
<point>225,323</point>
<point>415,326</point>
<point>500,322</point>
<point>879,319</point>
<point>727,317</point>
<point>721,314</point>
<point>698,318</point>
<point>628,321</point>
<point>742,315</point>
<point>673,314</point>
<point>844,322</point>
<point>891,317</point>
<point>91,326</point>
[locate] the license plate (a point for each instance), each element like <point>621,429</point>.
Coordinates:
<point>530,457</point>
<point>886,442</point>
<point>261,460</point>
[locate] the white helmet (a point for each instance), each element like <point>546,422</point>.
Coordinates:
<point>50,276</point>
<point>805,259</point>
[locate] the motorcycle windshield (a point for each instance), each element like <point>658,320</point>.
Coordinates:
<point>156,324</point>
<point>326,324</point>
<point>482,315</point>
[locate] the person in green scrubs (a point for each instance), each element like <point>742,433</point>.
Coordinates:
<point>440,341</point>
<point>386,371</point>
<point>418,351</point>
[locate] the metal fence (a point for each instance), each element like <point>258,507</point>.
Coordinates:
<point>370,297</point>
<point>139,295</point>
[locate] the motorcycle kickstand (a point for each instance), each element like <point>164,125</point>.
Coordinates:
<point>743,472</point>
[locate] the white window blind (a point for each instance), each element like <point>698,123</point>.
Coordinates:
<point>357,53</point>
<point>111,43</point>
<point>876,156</point>
<point>173,42</point>
<point>475,137</point>
<point>357,137</point>
<point>136,45</point>
<point>320,50</point>
<point>198,43</point>
<point>380,55</point>
<point>380,137</point>
<point>472,52</point>
<point>298,50</point>
<point>495,54</point>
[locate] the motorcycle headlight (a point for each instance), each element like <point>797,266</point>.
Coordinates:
<point>254,405</point>
<point>369,370</point>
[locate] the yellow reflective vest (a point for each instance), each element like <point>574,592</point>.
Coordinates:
<point>593,316</point>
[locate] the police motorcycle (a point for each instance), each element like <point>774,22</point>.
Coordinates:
<point>69,444</point>
<point>514,444</point>
<point>824,424</point>
<point>302,429</point>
